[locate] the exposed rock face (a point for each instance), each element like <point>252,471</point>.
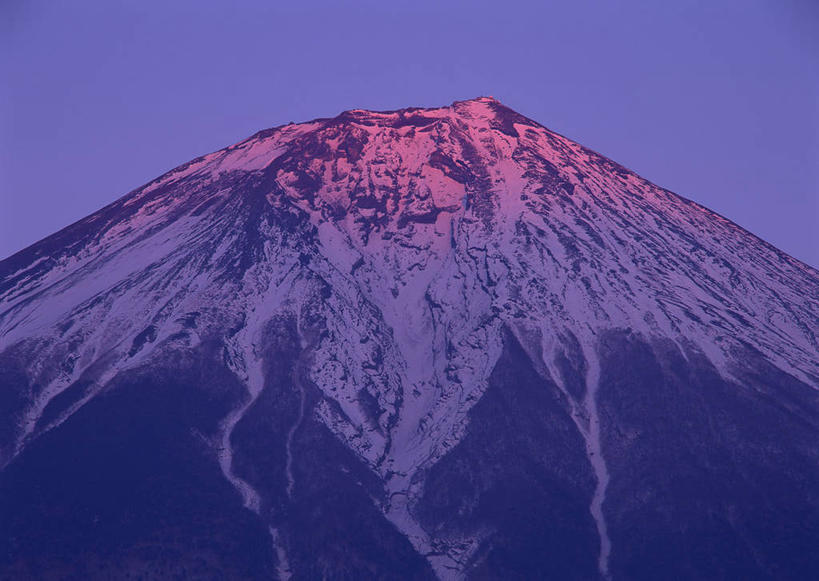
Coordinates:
<point>426,343</point>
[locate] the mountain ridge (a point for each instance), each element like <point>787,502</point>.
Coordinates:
<point>268,131</point>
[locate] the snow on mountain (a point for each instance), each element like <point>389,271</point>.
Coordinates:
<point>406,247</point>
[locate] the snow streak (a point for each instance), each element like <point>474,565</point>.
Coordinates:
<point>254,380</point>
<point>594,449</point>
<point>291,480</point>
<point>586,416</point>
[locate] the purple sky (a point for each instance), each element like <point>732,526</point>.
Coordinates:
<point>717,101</point>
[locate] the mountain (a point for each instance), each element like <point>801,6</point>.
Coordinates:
<point>428,343</point>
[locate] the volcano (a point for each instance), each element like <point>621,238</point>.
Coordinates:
<point>428,343</point>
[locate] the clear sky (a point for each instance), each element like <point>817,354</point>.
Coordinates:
<point>715,100</point>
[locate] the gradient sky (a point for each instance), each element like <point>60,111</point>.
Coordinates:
<point>717,101</point>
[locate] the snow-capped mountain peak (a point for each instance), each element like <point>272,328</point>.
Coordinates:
<point>405,251</point>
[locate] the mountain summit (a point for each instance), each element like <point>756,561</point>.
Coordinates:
<point>409,344</point>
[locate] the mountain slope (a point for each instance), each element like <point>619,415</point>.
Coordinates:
<point>431,342</point>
